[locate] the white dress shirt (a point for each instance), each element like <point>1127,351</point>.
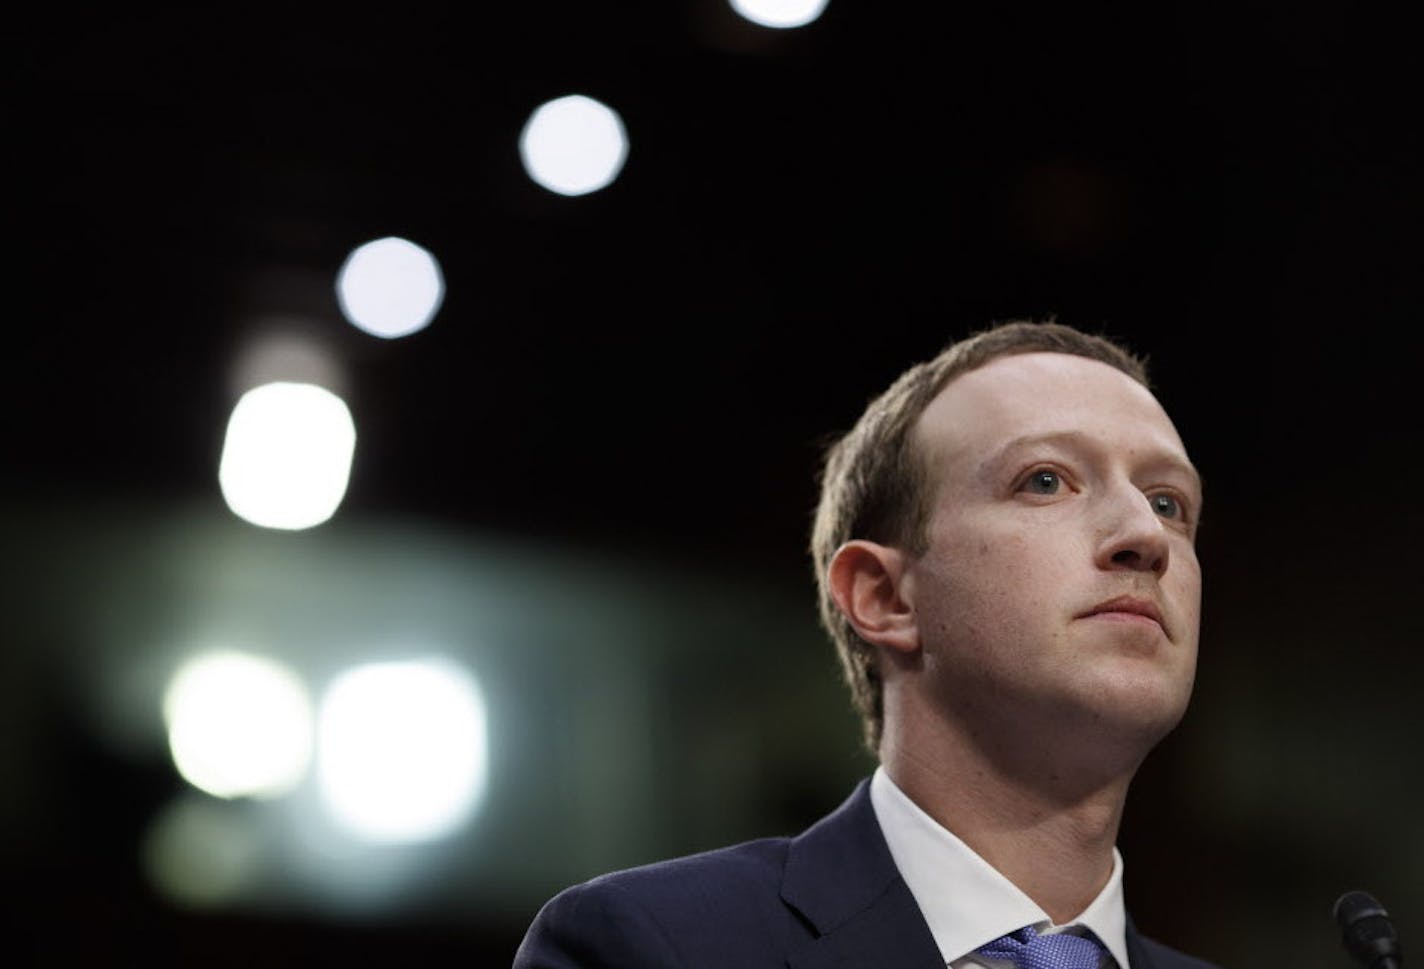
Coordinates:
<point>967,902</point>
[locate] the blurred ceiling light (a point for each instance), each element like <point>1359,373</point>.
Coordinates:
<point>390,287</point>
<point>573,145</point>
<point>401,749</point>
<point>286,459</point>
<point>780,13</point>
<point>238,725</point>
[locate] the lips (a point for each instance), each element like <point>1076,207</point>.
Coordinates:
<point>1129,605</point>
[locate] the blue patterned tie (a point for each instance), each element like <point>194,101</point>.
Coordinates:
<point>1029,950</point>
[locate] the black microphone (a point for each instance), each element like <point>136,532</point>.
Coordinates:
<point>1368,933</point>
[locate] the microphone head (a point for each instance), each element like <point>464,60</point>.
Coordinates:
<point>1366,930</point>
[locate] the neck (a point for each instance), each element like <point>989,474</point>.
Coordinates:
<point>1039,813</point>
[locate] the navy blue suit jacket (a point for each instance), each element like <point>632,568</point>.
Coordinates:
<point>831,897</point>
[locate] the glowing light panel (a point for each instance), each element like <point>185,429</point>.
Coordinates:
<point>781,14</point>
<point>238,725</point>
<point>573,145</point>
<point>401,749</point>
<point>390,287</point>
<point>286,459</point>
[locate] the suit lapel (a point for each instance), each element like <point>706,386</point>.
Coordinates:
<point>1136,952</point>
<point>841,879</point>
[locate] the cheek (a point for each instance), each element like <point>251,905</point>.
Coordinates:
<point>1185,581</point>
<point>1019,564</point>
<point>991,585</point>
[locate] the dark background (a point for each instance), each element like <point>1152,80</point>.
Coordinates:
<point>651,369</point>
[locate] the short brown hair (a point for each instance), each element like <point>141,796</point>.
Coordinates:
<point>873,485</point>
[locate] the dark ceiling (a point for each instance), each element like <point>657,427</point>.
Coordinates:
<point>802,214</point>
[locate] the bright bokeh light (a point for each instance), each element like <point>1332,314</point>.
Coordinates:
<point>573,145</point>
<point>780,13</point>
<point>287,456</point>
<point>401,749</point>
<point>238,725</point>
<point>390,287</point>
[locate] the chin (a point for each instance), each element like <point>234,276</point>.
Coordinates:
<point>1140,710</point>
<point>1151,718</point>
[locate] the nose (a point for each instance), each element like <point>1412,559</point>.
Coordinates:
<point>1133,537</point>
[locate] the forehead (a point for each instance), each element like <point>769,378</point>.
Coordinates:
<point>1043,395</point>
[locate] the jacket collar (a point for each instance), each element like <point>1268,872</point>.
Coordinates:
<point>1136,952</point>
<point>841,879</point>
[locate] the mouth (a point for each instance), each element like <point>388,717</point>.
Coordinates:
<point>1127,609</point>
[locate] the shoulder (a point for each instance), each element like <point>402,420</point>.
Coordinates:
<point>672,913</point>
<point>745,865</point>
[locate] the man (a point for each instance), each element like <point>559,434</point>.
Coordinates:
<point>1005,555</point>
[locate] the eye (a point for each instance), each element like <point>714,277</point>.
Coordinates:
<point>1168,506</point>
<point>1042,482</point>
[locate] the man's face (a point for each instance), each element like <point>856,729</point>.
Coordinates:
<point>1060,588</point>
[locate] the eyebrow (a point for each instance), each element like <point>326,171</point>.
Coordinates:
<point>1081,439</point>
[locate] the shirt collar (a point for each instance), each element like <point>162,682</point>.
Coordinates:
<point>965,900</point>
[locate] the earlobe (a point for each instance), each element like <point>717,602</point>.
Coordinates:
<point>869,584</point>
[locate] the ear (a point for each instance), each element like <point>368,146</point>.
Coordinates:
<point>869,584</point>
